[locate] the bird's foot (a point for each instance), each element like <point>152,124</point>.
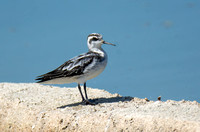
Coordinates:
<point>87,102</point>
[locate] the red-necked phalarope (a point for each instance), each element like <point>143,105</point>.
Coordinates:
<point>80,68</point>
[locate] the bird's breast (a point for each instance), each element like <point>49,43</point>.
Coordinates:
<point>93,69</point>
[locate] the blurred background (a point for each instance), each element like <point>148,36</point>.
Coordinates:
<point>157,52</point>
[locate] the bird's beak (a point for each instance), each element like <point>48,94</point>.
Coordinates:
<point>108,43</point>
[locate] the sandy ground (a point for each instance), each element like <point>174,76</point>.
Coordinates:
<point>33,107</point>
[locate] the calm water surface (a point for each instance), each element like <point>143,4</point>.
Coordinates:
<point>157,52</point>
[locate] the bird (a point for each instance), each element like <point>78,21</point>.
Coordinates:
<point>81,68</point>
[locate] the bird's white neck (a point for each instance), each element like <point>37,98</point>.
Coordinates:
<point>100,51</point>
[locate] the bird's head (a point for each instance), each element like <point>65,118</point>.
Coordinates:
<point>95,40</point>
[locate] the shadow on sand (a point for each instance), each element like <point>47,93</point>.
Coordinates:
<point>100,101</point>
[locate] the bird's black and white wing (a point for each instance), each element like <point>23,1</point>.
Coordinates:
<point>73,67</point>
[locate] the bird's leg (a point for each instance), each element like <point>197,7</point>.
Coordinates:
<point>79,87</point>
<point>85,89</point>
<point>87,101</point>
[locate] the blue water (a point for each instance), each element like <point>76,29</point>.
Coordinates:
<point>157,52</point>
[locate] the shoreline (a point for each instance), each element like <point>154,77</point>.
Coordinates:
<point>35,107</point>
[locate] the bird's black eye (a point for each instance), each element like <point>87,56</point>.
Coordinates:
<point>94,39</point>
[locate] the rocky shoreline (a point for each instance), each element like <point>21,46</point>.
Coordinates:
<point>35,107</point>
